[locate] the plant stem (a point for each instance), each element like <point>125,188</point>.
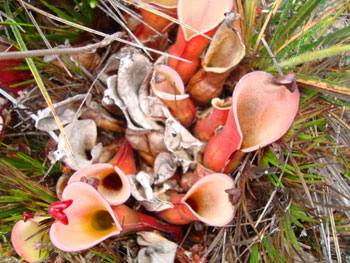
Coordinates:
<point>311,56</point>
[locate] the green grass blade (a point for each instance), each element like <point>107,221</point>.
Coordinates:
<point>312,56</point>
<point>337,36</point>
<point>298,212</point>
<point>254,256</point>
<point>85,9</point>
<point>108,259</point>
<point>297,19</point>
<point>296,222</point>
<point>286,232</point>
<point>294,239</point>
<point>335,101</point>
<point>308,44</point>
<point>57,11</point>
<point>11,211</point>
<point>250,13</point>
<point>16,178</point>
<point>280,27</point>
<point>36,75</point>
<point>329,22</point>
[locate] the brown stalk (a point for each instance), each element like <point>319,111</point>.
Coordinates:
<point>240,9</point>
<point>300,174</point>
<point>251,23</point>
<point>326,88</point>
<point>60,51</point>
<point>262,31</point>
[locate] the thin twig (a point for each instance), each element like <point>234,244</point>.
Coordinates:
<point>112,14</point>
<point>58,51</point>
<point>21,106</point>
<point>76,50</point>
<point>300,175</point>
<point>269,16</point>
<point>108,39</point>
<point>334,233</point>
<point>36,133</point>
<point>47,43</point>
<point>273,57</point>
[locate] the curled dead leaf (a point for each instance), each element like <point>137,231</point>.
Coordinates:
<point>85,149</point>
<point>88,60</point>
<point>66,111</point>
<point>184,146</point>
<point>123,89</point>
<point>141,190</point>
<point>158,249</point>
<point>102,118</point>
<point>150,142</point>
<point>164,167</point>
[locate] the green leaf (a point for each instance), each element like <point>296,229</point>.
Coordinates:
<point>57,11</point>
<point>312,56</point>
<point>296,222</point>
<point>311,165</point>
<point>286,232</point>
<point>294,239</point>
<point>280,28</point>
<point>277,180</point>
<point>272,252</point>
<point>270,158</point>
<point>103,256</point>
<point>336,101</point>
<point>296,211</point>
<point>254,256</point>
<point>309,42</point>
<point>15,210</point>
<point>297,19</point>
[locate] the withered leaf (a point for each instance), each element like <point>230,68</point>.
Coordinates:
<point>164,167</point>
<point>83,144</point>
<point>158,249</point>
<point>123,89</point>
<point>102,118</point>
<point>66,111</point>
<point>184,146</point>
<point>141,190</point>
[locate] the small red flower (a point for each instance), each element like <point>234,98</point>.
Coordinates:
<point>56,210</point>
<point>27,215</point>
